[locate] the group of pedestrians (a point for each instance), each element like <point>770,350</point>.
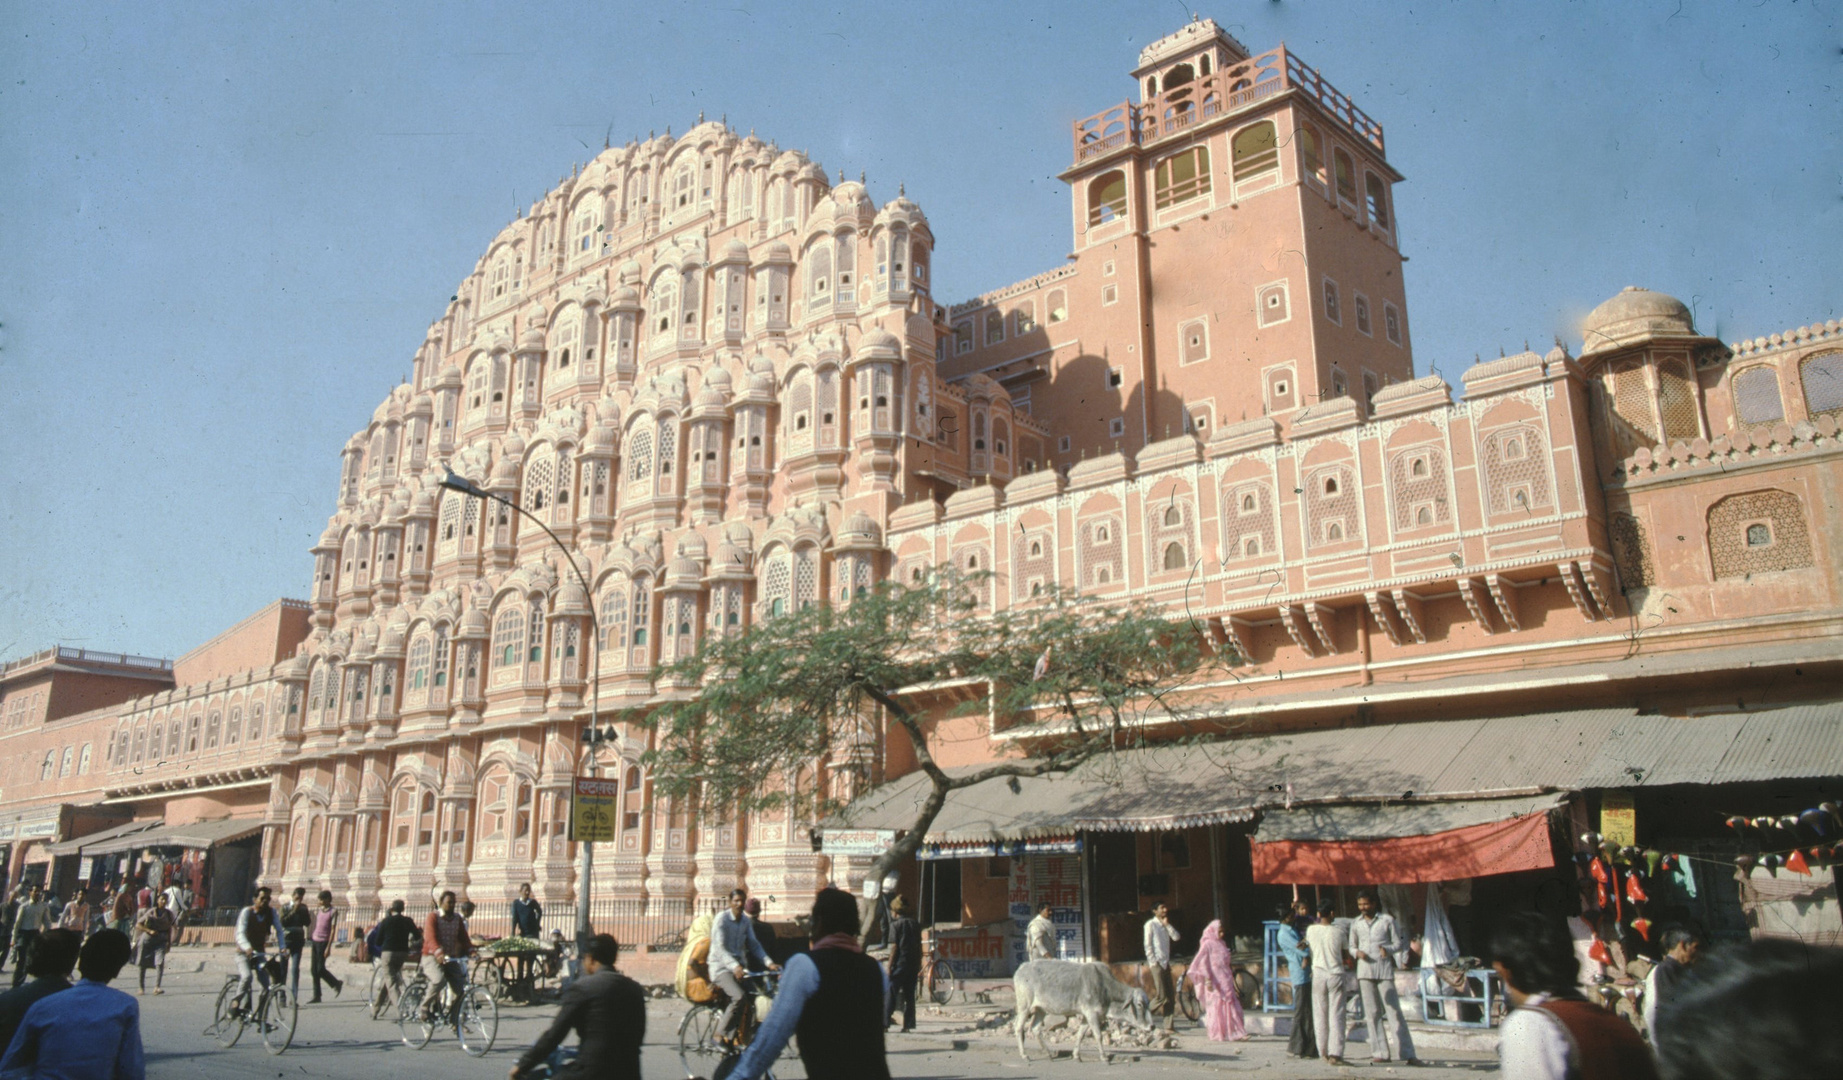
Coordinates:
<point>1321,955</point>
<point>145,916</point>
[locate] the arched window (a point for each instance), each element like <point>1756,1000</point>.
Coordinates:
<point>1418,467</point>
<point>819,277</point>
<point>1173,516</point>
<point>1822,377</point>
<point>1174,556</point>
<point>509,636</point>
<point>1334,531</point>
<point>192,730</point>
<point>1107,198</point>
<point>665,302</point>
<point>255,731</point>
<point>777,582</point>
<point>425,821</point>
<point>1377,200</point>
<point>140,747</point>
<point>419,662</point>
<point>83,760</point>
<point>1756,396</point>
<point>155,737</point>
<point>540,477</point>
<point>172,738</point>
<point>1311,153</point>
<point>1346,174</point>
<point>1178,76</point>
<point>642,612</point>
<point>1256,150</point>
<point>440,664</point>
<point>1247,504</point>
<point>233,728</point>
<point>1183,175</point>
<point>534,651</point>
<point>640,455</point>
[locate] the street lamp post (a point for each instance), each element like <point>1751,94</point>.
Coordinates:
<point>586,852</point>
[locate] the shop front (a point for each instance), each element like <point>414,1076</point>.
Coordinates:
<point>215,863</point>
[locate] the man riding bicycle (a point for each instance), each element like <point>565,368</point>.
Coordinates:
<point>445,949</point>
<point>732,946</point>
<point>258,926</point>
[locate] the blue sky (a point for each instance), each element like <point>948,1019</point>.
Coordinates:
<point>226,227</point>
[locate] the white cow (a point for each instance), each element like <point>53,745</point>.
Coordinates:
<point>1083,989</point>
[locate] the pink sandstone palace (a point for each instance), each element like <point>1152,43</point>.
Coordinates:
<point>726,384</point>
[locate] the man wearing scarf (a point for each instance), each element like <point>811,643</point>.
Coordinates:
<point>831,997</point>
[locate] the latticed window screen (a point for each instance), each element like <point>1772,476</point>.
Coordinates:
<point>642,613</point>
<point>640,455</point>
<point>1032,558</point>
<point>1099,554</point>
<point>668,445</point>
<point>1632,401</point>
<point>806,578</point>
<point>1632,551</point>
<point>777,582</point>
<point>1822,376</point>
<point>1677,401</point>
<point>1514,462</point>
<point>563,478</point>
<point>1331,506</point>
<point>1758,532</point>
<point>1417,478</point>
<point>534,642</point>
<point>614,618</point>
<point>470,520</point>
<point>1756,396</point>
<point>538,481</point>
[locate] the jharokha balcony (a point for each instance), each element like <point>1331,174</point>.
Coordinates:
<point>1223,92</point>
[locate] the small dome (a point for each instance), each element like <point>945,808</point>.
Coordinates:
<point>779,252</point>
<point>683,570</point>
<point>1632,315</point>
<point>625,298</point>
<point>601,439</point>
<point>630,272</point>
<point>731,559</point>
<point>735,251</point>
<point>812,171</point>
<point>531,339</point>
<point>860,529</point>
<point>760,364</point>
<point>330,538</point>
<point>851,197</point>
<point>473,624</point>
<point>1557,355</point>
<point>719,378</point>
<point>423,504</point>
<point>879,344</point>
<point>513,446</point>
<point>571,600</point>
<point>449,379</point>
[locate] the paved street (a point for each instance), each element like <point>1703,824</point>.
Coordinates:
<point>337,1040</point>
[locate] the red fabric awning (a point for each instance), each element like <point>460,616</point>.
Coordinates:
<point>1500,847</point>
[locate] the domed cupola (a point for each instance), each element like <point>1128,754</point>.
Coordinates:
<point>1632,316</point>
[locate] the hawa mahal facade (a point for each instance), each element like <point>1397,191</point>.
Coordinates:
<point>724,381</point>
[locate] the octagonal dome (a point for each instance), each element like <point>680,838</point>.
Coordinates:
<point>1632,315</point>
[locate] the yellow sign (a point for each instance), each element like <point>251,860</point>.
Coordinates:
<point>1618,818</point>
<point>592,810</point>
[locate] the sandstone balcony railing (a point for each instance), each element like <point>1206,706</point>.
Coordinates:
<point>90,656</point>
<point>1227,91</point>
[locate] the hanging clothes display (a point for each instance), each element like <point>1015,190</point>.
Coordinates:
<point>1438,945</point>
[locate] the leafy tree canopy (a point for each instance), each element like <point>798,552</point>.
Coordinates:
<point>1069,677</point>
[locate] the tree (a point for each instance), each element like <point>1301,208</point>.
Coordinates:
<point>1071,677</point>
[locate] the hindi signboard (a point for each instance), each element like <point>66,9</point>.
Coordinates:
<point>1618,818</point>
<point>856,841</point>
<point>593,809</point>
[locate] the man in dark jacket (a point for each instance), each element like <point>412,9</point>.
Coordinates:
<point>50,966</point>
<point>830,997</point>
<point>905,964</point>
<point>606,1010</point>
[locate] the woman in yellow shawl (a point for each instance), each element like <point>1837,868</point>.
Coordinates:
<point>693,980</point>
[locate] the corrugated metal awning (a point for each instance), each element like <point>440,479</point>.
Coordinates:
<point>1377,821</point>
<point>85,843</point>
<point>1178,786</point>
<point>201,835</point>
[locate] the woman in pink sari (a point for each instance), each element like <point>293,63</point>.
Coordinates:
<point>1213,974</point>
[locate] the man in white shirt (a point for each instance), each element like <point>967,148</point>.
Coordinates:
<point>1159,934</point>
<point>1552,1033</point>
<point>1040,937</point>
<point>1378,945</point>
<point>1328,943</point>
<point>734,952</point>
<point>33,919</point>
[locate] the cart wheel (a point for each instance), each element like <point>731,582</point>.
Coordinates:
<point>493,980</point>
<point>1187,1002</point>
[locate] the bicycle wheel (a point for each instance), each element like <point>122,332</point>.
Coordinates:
<point>1248,989</point>
<point>941,982</point>
<point>225,1028</point>
<point>1187,1002</point>
<point>276,1019</point>
<point>697,1032</point>
<point>479,1021</point>
<point>489,976</point>
<point>415,1028</point>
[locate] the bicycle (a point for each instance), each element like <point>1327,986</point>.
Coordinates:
<point>699,1033</point>
<point>384,993</point>
<point>275,1013</point>
<point>937,976</point>
<point>476,1016</point>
